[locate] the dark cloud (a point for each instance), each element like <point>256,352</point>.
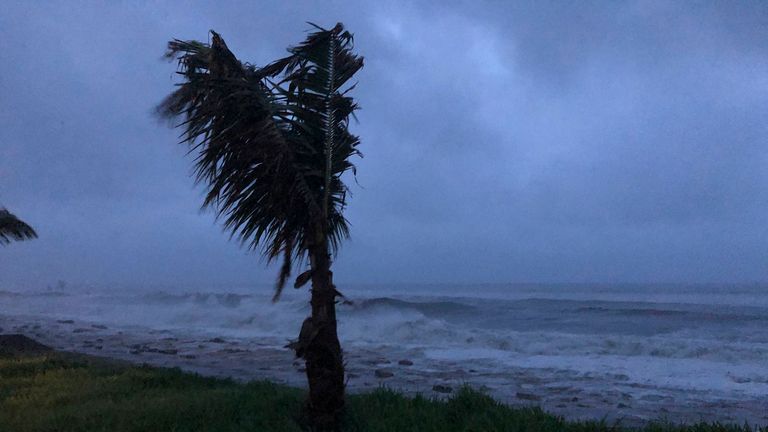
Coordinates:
<point>503,141</point>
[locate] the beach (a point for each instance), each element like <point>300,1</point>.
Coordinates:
<point>623,353</point>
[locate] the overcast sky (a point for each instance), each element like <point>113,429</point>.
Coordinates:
<point>503,141</point>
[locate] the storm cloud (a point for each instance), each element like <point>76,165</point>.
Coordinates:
<point>503,141</point>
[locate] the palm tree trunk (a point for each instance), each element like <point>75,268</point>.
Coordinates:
<point>325,369</point>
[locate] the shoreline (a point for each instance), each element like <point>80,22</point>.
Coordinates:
<point>244,360</point>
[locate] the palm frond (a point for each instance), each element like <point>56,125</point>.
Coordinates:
<point>12,228</point>
<point>270,143</point>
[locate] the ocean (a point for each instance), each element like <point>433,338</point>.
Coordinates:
<point>694,352</point>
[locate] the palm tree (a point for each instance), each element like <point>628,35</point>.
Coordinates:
<point>12,228</point>
<point>271,145</point>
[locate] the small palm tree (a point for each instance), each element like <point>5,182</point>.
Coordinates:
<point>12,228</point>
<point>271,145</point>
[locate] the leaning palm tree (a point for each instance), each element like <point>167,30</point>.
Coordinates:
<point>271,145</point>
<point>12,228</point>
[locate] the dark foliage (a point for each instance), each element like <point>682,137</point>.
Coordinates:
<point>272,142</point>
<point>12,228</point>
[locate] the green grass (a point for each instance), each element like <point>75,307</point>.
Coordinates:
<point>59,392</point>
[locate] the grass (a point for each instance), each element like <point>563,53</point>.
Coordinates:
<point>63,392</point>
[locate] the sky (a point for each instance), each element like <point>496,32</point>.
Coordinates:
<point>550,142</point>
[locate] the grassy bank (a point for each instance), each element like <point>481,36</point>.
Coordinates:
<point>63,392</point>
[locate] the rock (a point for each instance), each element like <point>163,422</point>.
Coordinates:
<point>99,326</point>
<point>528,396</point>
<point>65,321</point>
<point>169,351</point>
<point>652,398</point>
<point>442,389</point>
<point>80,330</point>
<point>217,340</point>
<point>559,389</point>
<point>383,373</point>
<point>622,405</point>
<point>405,363</point>
<point>17,344</point>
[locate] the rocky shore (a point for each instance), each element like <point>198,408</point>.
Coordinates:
<point>368,368</point>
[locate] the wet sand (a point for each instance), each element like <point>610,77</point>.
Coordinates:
<point>561,392</point>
